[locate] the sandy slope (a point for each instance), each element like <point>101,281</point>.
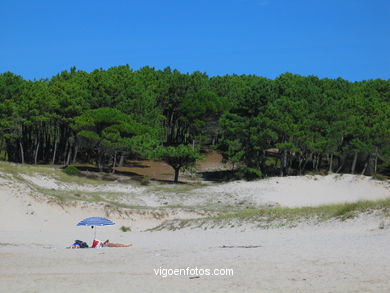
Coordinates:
<point>350,256</point>
<point>288,191</point>
<point>302,191</point>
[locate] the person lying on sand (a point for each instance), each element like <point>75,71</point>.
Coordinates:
<point>107,243</point>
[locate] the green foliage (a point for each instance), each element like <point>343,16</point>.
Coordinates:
<point>71,170</point>
<point>125,229</point>
<point>109,130</point>
<point>180,157</point>
<point>247,173</point>
<point>301,123</point>
<point>309,124</point>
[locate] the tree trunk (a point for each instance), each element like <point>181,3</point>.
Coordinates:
<point>21,152</point>
<point>281,166</point>
<point>176,175</point>
<point>300,164</point>
<point>67,146</point>
<point>365,166</point>
<point>36,154</point>
<point>69,156</point>
<point>354,163</point>
<point>376,161</point>
<point>341,166</point>
<point>113,164</point>
<point>284,163</point>
<point>54,153</point>
<point>314,162</point>
<point>121,160</point>
<point>100,161</point>
<point>76,149</point>
<point>304,166</point>
<point>331,163</point>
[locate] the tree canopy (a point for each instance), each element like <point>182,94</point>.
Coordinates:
<point>284,126</point>
<point>180,157</point>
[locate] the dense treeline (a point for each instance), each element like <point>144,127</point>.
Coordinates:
<point>265,127</point>
<point>308,123</point>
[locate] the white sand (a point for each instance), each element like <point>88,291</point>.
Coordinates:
<point>302,191</point>
<point>350,256</point>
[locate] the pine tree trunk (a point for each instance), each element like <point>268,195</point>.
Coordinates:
<point>36,153</point>
<point>65,152</point>
<point>121,160</point>
<point>300,164</point>
<point>342,163</point>
<point>176,175</point>
<point>304,166</point>
<point>376,161</point>
<point>69,156</point>
<point>354,163</point>
<point>313,162</point>
<point>100,161</point>
<point>331,163</point>
<point>21,151</point>
<point>284,163</point>
<point>54,153</point>
<point>281,166</point>
<point>365,166</point>
<point>114,164</point>
<point>76,149</point>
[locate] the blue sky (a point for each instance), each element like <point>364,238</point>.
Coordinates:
<point>347,38</point>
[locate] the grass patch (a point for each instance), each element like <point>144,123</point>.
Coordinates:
<point>380,177</point>
<point>280,216</point>
<point>71,170</point>
<point>125,229</point>
<point>181,188</point>
<point>325,212</point>
<point>13,168</point>
<point>54,172</point>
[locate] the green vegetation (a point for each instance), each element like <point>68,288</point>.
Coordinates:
<point>286,126</point>
<point>15,170</point>
<point>71,170</point>
<point>109,131</point>
<point>308,124</point>
<point>125,229</point>
<point>325,212</point>
<point>278,216</point>
<point>180,157</point>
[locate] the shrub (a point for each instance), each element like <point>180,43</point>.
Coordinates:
<point>71,170</point>
<point>145,180</point>
<point>248,173</point>
<point>125,229</point>
<point>380,177</point>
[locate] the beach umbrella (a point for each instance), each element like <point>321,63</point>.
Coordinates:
<point>95,221</point>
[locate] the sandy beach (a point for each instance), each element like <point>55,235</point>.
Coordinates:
<point>350,255</point>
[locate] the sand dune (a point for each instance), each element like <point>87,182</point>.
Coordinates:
<point>333,256</point>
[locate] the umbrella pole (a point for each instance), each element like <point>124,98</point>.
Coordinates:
<point>94,233</point>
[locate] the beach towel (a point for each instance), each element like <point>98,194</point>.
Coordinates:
<point>97,244</point>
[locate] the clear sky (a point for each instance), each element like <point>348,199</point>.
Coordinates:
<point>327,38</point>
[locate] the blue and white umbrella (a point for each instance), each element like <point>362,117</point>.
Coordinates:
<point>95,221</point>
